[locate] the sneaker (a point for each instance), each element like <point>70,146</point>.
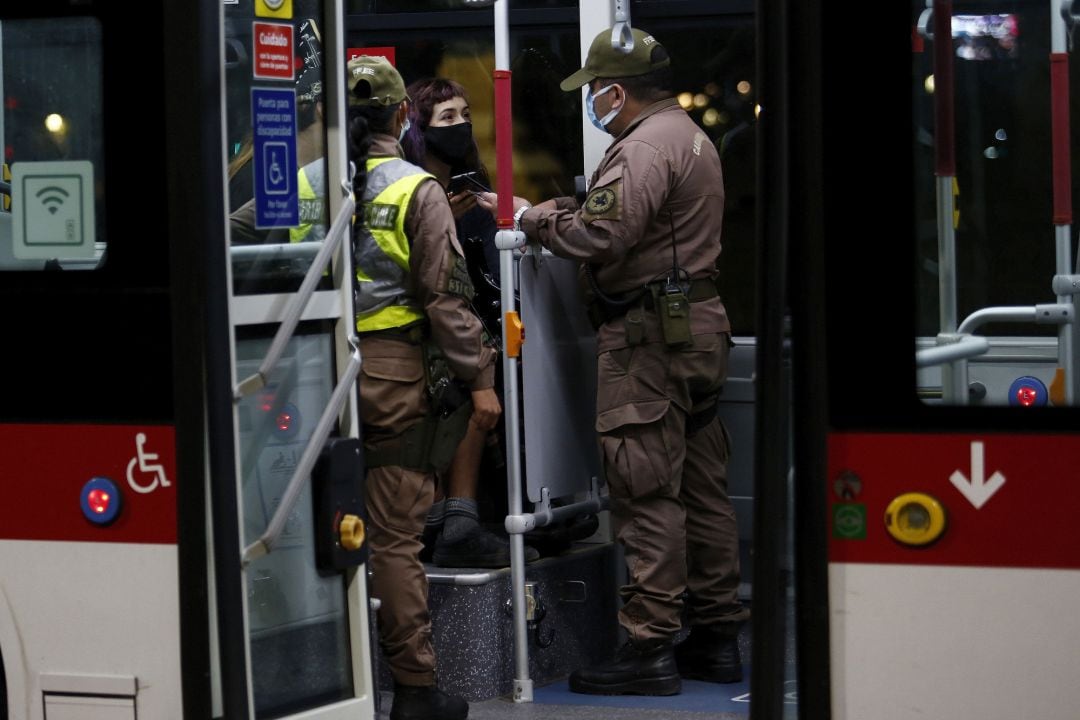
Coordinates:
<point>645,669</point>
<point>426,703</point>
<point>710,653</point>
<point>481,548</point>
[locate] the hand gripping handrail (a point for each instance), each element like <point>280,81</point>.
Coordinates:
<point>269,538</point>
<point>298,302</point>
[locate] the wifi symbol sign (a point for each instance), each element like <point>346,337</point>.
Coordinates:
<point>52,197</point>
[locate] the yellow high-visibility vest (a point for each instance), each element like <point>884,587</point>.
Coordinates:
<point>381,252</point>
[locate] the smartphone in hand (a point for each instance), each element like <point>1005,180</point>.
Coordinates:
<point>466,181</point>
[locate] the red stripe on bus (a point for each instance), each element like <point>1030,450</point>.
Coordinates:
<point>1030,521</point>
<point>44,468</point>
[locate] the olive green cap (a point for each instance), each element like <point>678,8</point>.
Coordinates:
<point>372,80</point>
<point>605,61</point>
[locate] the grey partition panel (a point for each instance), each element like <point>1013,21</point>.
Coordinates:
<point>558,369</point>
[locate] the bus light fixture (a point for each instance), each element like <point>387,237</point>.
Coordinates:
<point>1028,391</point>
<point>100,501</point>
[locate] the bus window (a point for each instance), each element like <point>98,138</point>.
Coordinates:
<point>988,237</point>
<point>52,186</point>
<point>547,122</point>
<point>276,145</point>
<point>714,71</point>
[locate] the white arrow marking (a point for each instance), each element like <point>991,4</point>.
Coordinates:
<point>977,490</point>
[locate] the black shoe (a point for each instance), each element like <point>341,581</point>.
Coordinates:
<point>557,538</point>
<point>426,703</point>
<point>479,549</point>
<point>645,670</point>
<point>710,653</point>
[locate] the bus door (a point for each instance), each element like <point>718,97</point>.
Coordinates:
<point>936,421</point>
<point>298,491</point>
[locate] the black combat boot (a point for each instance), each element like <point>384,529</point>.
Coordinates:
<point>480,548</point>
<point>426,703</point>
<point>644,669</point>
<point>710,653</point>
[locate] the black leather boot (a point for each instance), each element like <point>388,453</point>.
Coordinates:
<point>426,703</point>
<point>710,653</point>
<point>645,669</point>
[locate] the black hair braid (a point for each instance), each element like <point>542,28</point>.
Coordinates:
<point>359,146</point>
<point>363,122</point>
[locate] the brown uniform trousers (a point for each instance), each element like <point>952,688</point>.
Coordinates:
<point>668,490</point>
<point>393,397</point>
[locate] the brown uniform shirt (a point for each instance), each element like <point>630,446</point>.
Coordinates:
<point>429,225</point>
<point>659,180</point>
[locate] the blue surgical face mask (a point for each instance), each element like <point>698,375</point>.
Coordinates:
<point>601,123</point>
<point>404,129</point>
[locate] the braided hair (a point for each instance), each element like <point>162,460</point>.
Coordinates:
<point>363,122</point>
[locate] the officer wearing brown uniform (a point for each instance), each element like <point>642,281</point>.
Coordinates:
<point>419,341</point>
<point>648,238</point>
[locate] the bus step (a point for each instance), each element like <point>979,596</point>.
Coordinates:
<point>472,621</point>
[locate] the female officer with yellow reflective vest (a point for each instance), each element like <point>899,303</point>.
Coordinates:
<point>428,370</point>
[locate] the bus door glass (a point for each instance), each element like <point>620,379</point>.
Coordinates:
<point>991,229</point>
<point>306,622</point>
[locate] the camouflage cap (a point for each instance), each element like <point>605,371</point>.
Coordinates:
<point>372,80</point>
<point>605,61</point>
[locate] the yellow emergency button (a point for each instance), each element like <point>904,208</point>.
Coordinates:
<point>915,519</point>
<point>351,532</point>
<point>515,334</point>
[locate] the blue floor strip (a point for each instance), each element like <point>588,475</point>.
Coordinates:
<point>696,696</point>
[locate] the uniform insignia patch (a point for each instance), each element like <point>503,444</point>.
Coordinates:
<point>460,283</point>
<point>602,203</point>
<point>380,217</point>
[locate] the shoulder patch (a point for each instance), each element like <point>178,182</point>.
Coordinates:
<point>460,283</point>
<point>602,203</point>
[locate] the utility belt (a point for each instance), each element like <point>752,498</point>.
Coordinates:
<point>669,300</point>
<point>413,333</point>
<point>429,445</point>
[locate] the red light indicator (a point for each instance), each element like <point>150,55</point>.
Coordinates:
<point>284,422</point>
<point>99,500</point>
<point>1027,395</point>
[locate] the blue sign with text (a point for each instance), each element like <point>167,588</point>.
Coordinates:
<point>273,120</point>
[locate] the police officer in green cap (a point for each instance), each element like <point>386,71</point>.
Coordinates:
<point>648,239</point>
<point>428,371</point>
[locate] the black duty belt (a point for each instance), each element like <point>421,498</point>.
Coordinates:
<point>702,289</point>
<point>601,312</point>
<point>413,334</point>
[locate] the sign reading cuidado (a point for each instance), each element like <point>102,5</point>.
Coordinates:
<point>273,51</point>
<point>52,210</point>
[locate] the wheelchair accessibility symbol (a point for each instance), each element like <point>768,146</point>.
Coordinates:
<point>151,474</point>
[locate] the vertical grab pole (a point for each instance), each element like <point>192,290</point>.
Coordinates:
<point>507,240</point>
<point>1062,181</point>
<point>953,381</point>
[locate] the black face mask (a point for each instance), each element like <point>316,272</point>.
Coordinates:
<point>450,143</point>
